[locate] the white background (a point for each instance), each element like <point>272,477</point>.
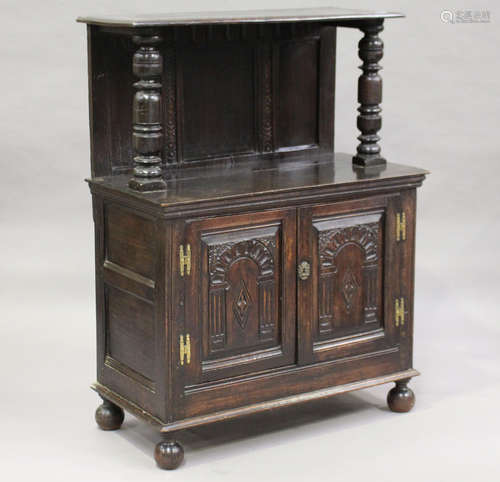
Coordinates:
<point>441,110</point>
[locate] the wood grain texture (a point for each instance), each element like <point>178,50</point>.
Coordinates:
<point>129,240</point>
<point>297,102</point>
<point>282,180</point>
<point>130,322</point>
<point>218,103</point>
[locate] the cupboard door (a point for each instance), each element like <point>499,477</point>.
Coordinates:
<point>240,294</point>
<point>344,302</point>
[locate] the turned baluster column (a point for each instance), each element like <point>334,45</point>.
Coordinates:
<point>371,50</point>
<point>147,134</point>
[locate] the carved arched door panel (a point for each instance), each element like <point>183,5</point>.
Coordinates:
<point>240,311</point>
<point>350,248</point>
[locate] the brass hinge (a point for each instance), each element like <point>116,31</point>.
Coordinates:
<point>185,349</point>
<point>185,259</point>
<point>401,226</point>
<point>399,311</point>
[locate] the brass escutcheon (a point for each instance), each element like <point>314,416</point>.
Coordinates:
<point>304,270</point>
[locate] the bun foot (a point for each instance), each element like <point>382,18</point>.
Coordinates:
<point>109,416</point>
<point>401,398</point>
<point>169,455</point>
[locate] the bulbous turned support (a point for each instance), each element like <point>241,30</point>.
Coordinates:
<point>109,416</point>
<point>371,50</point>
<point>168,454</point>
<point>401,398</point>
<point>147,135</point>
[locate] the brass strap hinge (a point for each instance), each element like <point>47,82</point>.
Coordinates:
<point>185,349</point>
<point>399,311</point>
<point>401,226</point>
<point>185,260</point>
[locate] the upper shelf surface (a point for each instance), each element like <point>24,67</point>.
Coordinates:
<point>236,17</point>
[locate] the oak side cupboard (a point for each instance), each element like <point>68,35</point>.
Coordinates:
<point>242,265</point>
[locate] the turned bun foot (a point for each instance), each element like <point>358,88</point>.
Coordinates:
<point>109,416</point>
<point>401,398</point>
<point>169,455</point>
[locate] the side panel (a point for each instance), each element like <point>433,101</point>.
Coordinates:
<point>110,101</point>
<point>404,281</point>
<point>131,255</point>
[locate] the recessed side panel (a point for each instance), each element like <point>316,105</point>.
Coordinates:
<point>296,106</point>
<point>129,241</point>
<point>110,98</point>
<point>218,89</point>
<point>130,342</point>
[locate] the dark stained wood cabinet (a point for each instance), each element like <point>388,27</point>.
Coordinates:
<point>241,264</point>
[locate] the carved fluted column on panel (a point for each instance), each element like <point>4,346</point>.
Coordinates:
<point>371,50</point>
<point>370,272</point>
<point>147,136</point>
<point>326,287</point>
<point>217,317</point>
<point>266,309</point>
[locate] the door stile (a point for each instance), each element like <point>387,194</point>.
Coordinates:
<point>306,304</point>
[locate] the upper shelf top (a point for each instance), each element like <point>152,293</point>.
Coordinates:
<point>236,17</point>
